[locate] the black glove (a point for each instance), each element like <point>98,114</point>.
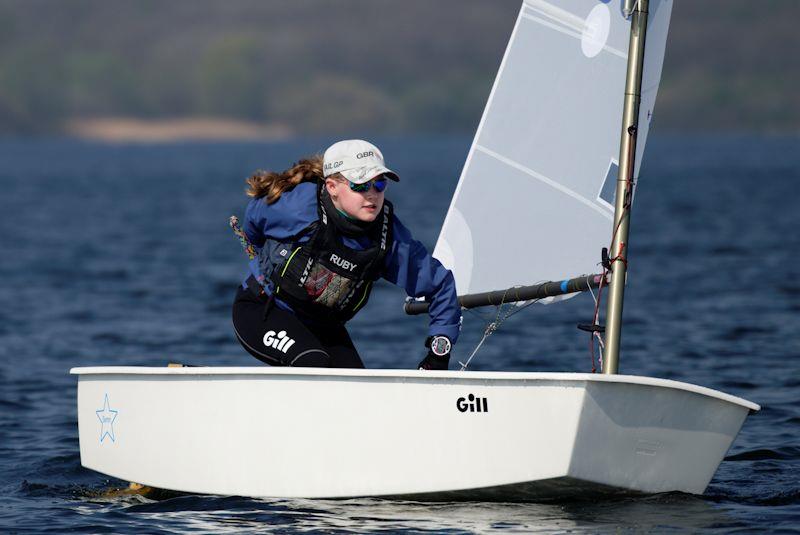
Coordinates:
<point>438,357</point>
<point>434,362</point>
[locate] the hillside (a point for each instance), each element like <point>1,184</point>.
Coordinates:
<point>326,67</point>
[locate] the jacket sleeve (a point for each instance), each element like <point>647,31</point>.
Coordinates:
<point>294,212</point>
<point>410,266</point>
<point>255,222</point>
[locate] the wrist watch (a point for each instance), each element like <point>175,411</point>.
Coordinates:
<point>440,346</point>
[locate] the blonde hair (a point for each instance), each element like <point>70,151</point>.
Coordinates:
<point>271,185</point>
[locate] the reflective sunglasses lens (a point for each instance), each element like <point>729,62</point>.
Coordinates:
<point>360,188</point>
<point>380,184</point>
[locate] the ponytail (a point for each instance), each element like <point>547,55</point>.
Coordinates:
<point>271,185</point>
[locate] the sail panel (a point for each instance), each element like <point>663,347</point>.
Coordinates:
<point>534,201</point>
<point>655,47</point>
<point>503,257</point>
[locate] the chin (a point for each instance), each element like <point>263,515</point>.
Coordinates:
<point>368,218</point>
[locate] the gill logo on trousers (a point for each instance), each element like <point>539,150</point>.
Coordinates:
<point>279,341</point>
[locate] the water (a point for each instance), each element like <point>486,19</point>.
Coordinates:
<point>115,255</point>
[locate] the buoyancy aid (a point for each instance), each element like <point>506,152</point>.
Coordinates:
<point>322,277</point>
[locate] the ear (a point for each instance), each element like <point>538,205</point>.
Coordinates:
<point>330,185</point>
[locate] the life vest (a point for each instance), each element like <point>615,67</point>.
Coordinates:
<point>322,277</point>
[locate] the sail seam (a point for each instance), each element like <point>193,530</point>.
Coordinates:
<point>530,172</point>
<point>561,29</point>
<point>572,33</point>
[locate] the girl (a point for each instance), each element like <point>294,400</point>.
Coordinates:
<point>324,233</point>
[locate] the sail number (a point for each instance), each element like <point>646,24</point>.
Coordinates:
<point>472,403</point>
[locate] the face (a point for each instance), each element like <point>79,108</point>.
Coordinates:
<point>362,206</point>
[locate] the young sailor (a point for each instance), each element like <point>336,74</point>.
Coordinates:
<point>323,233</point>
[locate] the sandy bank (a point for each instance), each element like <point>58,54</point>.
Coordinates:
<point>121,129</point>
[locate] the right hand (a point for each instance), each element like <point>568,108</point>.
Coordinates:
<point>434,362</point>
<point>438,357</point>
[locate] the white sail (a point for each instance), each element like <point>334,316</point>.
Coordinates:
<point>535,200</point>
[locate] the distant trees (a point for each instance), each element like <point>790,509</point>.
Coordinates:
<point>376,65</point>
<point>232,78</point>
<point>315,66</point>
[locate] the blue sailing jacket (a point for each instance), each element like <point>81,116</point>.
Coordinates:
<point>408,264</point>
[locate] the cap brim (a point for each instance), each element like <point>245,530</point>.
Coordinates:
<point>360,176</point>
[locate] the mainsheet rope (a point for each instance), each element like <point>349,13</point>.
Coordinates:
<point>492,326</point>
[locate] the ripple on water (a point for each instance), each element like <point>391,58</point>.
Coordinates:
<point>788,452</point>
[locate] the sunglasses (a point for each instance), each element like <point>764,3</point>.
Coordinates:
<point>378,183</point>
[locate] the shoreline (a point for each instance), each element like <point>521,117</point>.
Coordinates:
<point>133,130</point>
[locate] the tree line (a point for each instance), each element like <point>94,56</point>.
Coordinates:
<point>322,66</point>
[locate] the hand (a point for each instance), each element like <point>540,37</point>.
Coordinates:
<point>438,357</point>
<point>434,362</point>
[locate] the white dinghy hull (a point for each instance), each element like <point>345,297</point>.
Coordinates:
<point>314,433</point>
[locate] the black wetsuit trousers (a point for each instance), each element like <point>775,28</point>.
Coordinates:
<point>279,338</point>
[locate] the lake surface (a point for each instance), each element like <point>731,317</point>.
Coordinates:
<point>121,255</point>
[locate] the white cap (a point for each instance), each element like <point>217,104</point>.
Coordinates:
<point>357,160</point>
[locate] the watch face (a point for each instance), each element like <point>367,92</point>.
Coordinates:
<point>440,346</point>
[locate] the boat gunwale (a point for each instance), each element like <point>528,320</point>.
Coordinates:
<point>413,374</point>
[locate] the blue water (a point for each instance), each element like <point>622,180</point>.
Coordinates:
<point>121,255</point>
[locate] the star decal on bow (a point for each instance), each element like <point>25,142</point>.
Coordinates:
<point>106,417</point>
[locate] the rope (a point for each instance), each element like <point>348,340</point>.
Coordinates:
<point>620,257</point>
<point>246,245</point>
<point>596,321</point>
<point>492,326</point>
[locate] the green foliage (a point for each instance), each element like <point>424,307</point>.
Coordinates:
<point>98,83</point>
<point>336,105</point>
<point>31,89</point>
<point>447,104</point>
<point>232,79</point>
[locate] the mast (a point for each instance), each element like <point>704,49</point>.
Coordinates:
<point>622,208</point>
